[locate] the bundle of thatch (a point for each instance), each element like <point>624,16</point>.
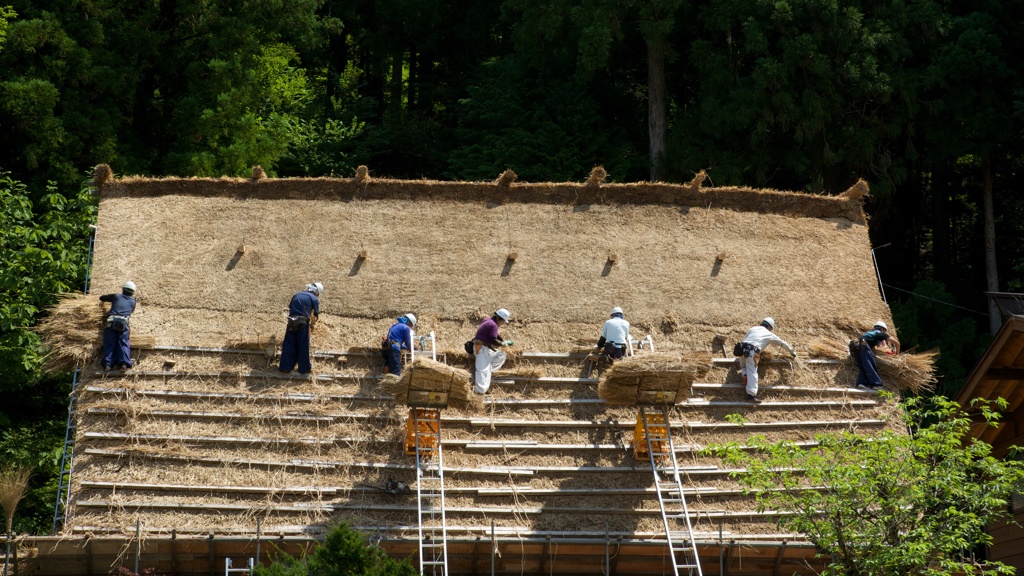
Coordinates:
<point>72,329</point>
<point>597,177</point>
<point>362,174</point>
<point>506,178</point>
<point>666,372</point>
<point>426,374</point>
<point>911,372</point>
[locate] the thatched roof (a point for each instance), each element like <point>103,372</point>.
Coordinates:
<point>216,262</point>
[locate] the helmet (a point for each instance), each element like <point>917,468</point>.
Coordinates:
<point>316,288</point>
<point>128,286</point>
<point>616,310</point>
<point>503,314</point>
<point>768,323</point>
<point>881,325</point>
<point>412,318</point>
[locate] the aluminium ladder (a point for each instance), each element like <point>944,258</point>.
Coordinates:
<point>662,453</point>
<point>67,460</point>
<point>430,504</point>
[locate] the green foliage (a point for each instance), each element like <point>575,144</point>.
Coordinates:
<point>545,130</point>
<point>36,445</point>
<point>894,503</point>
<point>6,13</point>
<point>43,251</point>
<point>344,552</point>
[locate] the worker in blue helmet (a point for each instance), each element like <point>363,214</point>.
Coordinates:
<point>117,352</point>
<point>303,312</point>
<point>398,338</point>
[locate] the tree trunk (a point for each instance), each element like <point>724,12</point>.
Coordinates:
<point>396,82</point>
<point>995,321</point>
<point>656,107</point>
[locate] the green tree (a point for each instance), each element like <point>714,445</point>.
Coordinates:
<point>43,251</point>
<point>891,504</point>
<point>344,552</point>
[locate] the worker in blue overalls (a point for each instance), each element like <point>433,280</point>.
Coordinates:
<point>398,338</point>
<point>303,312</point>
<point>863,354</point>
<point>117,351</point>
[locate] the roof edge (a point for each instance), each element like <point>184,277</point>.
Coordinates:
<point>740,199</point>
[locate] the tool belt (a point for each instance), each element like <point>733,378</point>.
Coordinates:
<point>117,323</point>
<point>745,349</point>
<point>296,322</point>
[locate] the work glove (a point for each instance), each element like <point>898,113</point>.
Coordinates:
<point>601,342</point>
<point>793,356</point>
<point>508,342</point>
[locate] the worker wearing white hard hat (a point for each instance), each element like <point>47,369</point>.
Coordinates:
<point>863,352</point>
<point>749,351</point>
<point>487,344</point>
<point>117,350</point>
<point>614,340</point>
<point>303,311</point>
<point>398,338</point>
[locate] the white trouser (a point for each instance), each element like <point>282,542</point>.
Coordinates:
<point>487,361</point>
<point>748,366</point>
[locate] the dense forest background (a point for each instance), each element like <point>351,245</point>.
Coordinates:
<point>924,99</point>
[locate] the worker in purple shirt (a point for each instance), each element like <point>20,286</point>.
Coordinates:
<point>117,351</point>
<point>303,311</point>
<point>487,346</point>
<point>398,338</point>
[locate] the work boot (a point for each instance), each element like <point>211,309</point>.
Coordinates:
<point>753,399</point>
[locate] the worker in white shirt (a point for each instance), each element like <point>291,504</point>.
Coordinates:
<point>753,344</point>
<point>614,335</point>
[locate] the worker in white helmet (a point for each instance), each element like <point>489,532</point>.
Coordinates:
<point>750,350</point>
<point>863,354</point>
<point>398,338</point>
<point>487,346</point>
<point>614,338</point>
<point>303,311</point>
<point>117,351</point>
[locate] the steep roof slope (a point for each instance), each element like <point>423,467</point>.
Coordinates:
<point>205,439</point>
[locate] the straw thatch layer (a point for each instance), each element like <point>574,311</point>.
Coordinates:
<point>673,373</point>
<point>426,374</point>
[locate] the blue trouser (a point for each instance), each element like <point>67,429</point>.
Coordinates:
<point>295,350</point>
<point>868,375</point>
<point>116,349</point>
<point>393,360</point>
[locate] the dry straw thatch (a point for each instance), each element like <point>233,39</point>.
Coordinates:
<point>258,173</point>
<point>101,174</point>
<point>658,372</point>
<point>362,174</point>
<point>857,191</point>
<point>72,330</point>
<point>426,374</point>
<point>698,179</point>
<point>913,373</point>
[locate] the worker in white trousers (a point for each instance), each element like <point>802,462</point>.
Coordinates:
<point>487,346</point>
<point>753,344</point>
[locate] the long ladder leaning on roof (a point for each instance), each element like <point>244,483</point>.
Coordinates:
<point>430,503</point>
<point>669,487</point>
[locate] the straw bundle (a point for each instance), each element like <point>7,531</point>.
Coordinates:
<point>660,371</point>
<point>698,179</point>
<point>857,191</point>
<point>506,178</point>
<point>258,173</point>
<point>362,174</point>
<point>597,176</point>
<point>72,330</point>
<point>912,372</point>
<point>100,174</point>
<point>425,374</point>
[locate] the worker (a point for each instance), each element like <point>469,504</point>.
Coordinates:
<point>117,351</point>
<point>303,312</point>
<point>863,354</point>
<point>753,344</point>
<point>398,338</point>
<point>614,335</point>
<point>487,346</point>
